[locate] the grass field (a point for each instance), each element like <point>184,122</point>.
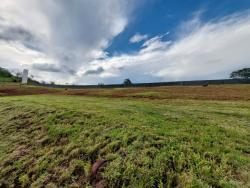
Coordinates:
<point>225,92</point>
<point>141,137</point>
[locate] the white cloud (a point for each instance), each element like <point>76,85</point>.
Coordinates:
<point>67,34</point>
<point>138,38</point>
<point>65,41</point>
<point>210,51</point>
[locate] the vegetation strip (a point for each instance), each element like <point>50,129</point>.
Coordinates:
<point>57,141</point>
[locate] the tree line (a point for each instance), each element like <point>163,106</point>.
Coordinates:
<point>242,73</point>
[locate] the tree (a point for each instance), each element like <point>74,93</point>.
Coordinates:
<point>5,72</point>
<point>127,82</point>
<point>243,73</point>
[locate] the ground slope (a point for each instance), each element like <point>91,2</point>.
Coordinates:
<point>62,141</point>
<point>212,92</point>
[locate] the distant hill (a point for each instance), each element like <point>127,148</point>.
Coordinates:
<point>6,76</point>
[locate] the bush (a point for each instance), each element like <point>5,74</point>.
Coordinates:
<point>127,82</point>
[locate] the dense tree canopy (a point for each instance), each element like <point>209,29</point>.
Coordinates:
<point>243,73</point>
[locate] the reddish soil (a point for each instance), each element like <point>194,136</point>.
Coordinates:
<point>232,92</point>
<point>16,90</point>
<point>223,92</point>
<point>96,170</point>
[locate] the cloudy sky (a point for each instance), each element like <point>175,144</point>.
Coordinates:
<point>97,41</point>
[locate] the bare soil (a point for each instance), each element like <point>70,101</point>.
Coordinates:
<point>222,92</point>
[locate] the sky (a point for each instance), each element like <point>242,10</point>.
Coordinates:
<point>97,41</point>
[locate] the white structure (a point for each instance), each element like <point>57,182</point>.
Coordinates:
<point>25,76</point>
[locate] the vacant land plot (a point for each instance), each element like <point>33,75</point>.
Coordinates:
<point>55,140</point>
<point>213,92</point>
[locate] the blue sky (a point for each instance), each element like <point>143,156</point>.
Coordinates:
<point>96,41</point>
<point>160,16</point>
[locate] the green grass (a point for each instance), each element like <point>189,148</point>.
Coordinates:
<point>6,76</point>
<point>54,141</point>
<point>6,79</point>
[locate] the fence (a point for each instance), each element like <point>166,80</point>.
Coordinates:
<point>177,83</point>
